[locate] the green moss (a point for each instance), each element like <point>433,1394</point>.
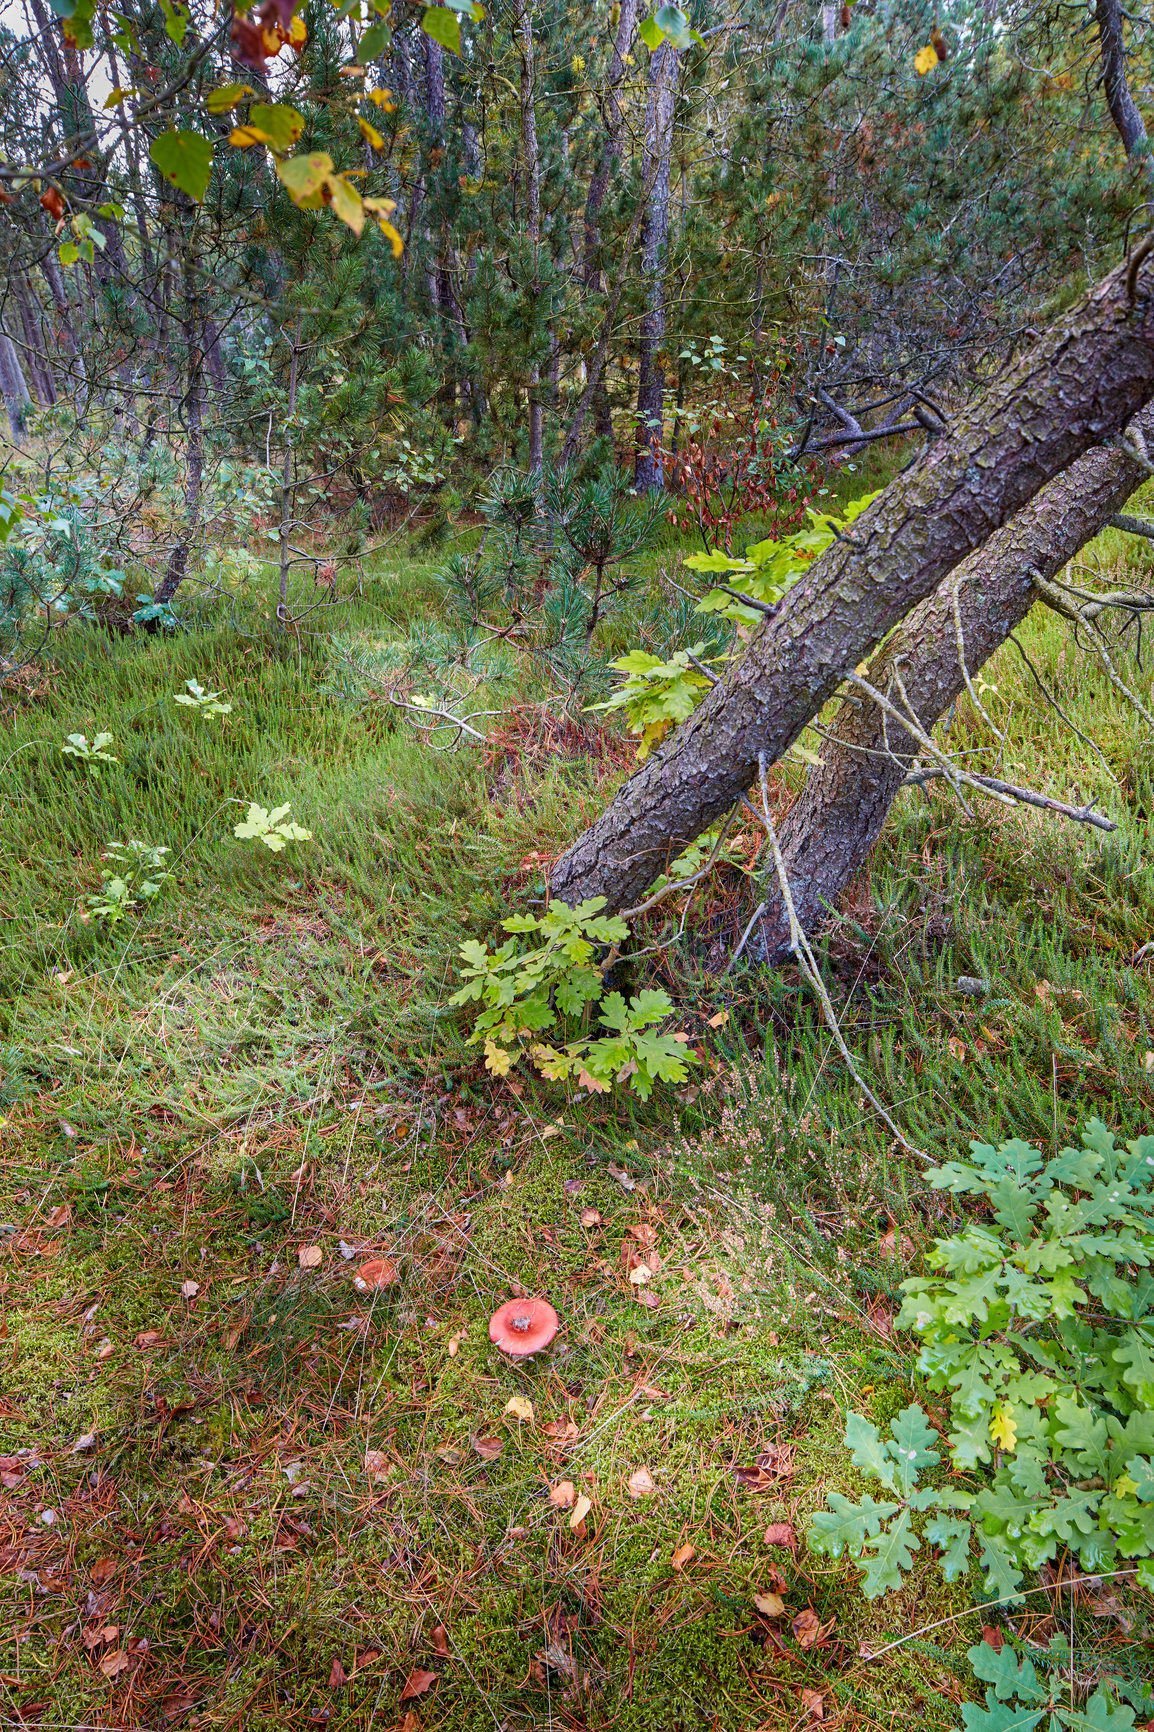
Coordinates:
<point>268,1064</point>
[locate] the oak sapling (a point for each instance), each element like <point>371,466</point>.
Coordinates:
<point>77,746</point>
<point>206,704</point>
<point>137,878</point>
<point>274,828</point>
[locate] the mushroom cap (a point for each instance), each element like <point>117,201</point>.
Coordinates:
<point>376,1273</point>
<point>523,1326</point>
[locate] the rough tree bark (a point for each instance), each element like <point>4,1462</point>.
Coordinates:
<point>827,834</point>
<point>663,67</point>
<point>13,386</point>
<point>532,160</point>
<point>193,322</point>
<point>1124,110</point>
<point>1079,383</point>
<point>613,116</point>
<point>828,831</point>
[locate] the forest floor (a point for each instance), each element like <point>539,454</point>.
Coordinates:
<point>236,1493</point>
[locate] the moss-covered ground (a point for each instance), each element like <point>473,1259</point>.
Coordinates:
<point>239,1493</point>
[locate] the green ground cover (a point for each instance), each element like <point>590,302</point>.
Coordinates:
<point>237,1492</point>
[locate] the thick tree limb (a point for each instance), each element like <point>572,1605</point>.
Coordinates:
<point>1082,381</point>
<point>828,832</point>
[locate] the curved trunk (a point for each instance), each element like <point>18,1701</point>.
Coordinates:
<point>1082,381</point>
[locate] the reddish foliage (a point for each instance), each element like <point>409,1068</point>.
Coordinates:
<point>737,464</point>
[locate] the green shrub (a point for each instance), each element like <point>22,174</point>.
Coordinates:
<point>1039,1322</point>
<point>525,989</point>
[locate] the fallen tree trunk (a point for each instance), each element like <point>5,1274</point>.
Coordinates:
<point>831,827</point>
<point>1083,380</point>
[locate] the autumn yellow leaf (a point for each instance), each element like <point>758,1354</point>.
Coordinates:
<point>369,132</point>
<point>520,1407</point>
<point>1004,1427</point>
<point>925,59</point>
<point>497,1058</point>
<point>382,98</point>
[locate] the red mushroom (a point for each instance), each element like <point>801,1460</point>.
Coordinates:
<point>376,1273</point>
<point>523,1326</point>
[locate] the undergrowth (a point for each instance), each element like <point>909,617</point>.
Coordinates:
<point>288,1502</point>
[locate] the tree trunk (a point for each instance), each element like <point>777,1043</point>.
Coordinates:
<point>648,476</point>
<point>194,423</point>
<point>827,834</point>
<point>532,160</point>
<point>287,490</point>
<point>38,365</point>
<point>614,116</point>
<point>13,386</point>
<point>1080,382</point>
<point>838,817</point>
<point>1124,110</point>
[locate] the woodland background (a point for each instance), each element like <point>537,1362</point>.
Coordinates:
<point>344,510</point>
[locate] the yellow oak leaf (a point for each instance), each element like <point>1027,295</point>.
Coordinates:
<point>1004,1427</point>
<point>497,1059</point>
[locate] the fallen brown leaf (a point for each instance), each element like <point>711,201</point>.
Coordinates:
<point>441,1641</point>
<point>113,1664</point>
<point>640,1484</point>
<point>993,1637</point>
<point>781,1534</point>
<point>59,1215</point>
<point>590,1218</point>
<point>310,1256</point>
<point>417,1682</point>
<point>102,1569</point>
<point>644,1234</point>
<point>149,1338</point>
<point>563,1494</point>
<point>100,1637</point>
<point>189,1289</point>
<point>376,1464</point>
<point>488,1448</point>
<point>769,1605</point>
<point>683,1555</point>
<point>806,1628</point>
<point>814,1703</point>
<point>337,1675</point>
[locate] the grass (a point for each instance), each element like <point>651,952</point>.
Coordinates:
<point>239,1494</point>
